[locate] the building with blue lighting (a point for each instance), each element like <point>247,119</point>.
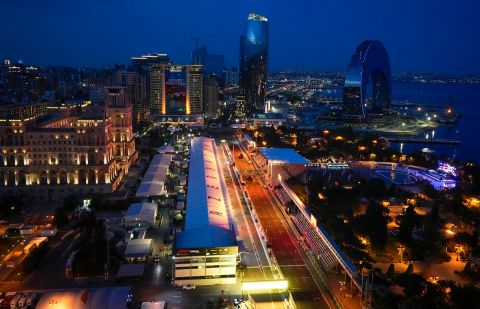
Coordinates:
<point>254,63</point>
<point>367,88</point>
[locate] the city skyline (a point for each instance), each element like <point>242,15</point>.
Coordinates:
<point>437,37</point>
<point>239,154</point>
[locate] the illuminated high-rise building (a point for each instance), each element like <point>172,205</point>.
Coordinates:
<point>176,89</point>
<point>254,62</point>
<point>210,96</point>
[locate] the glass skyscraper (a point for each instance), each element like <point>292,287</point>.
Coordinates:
<point>254,62</point>
<point>369,66</point>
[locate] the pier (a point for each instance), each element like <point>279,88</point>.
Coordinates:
<point>437,141</point>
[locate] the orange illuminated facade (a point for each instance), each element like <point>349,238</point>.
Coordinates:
<point>78,151</point>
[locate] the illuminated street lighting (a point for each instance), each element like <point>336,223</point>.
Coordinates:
<point>400,252</point>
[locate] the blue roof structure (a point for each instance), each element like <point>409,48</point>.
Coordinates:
<point>205,237</point>
<point>282,155</point>
<point>134,209</point>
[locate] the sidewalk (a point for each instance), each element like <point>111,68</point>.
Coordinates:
<point>444,270</point>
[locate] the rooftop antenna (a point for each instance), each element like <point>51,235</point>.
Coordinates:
<point>197,39</point>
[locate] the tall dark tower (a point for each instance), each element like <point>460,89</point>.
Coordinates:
<point>254,63</point>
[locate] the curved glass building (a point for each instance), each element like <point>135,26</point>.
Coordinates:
<point>254,62</point>
<point>369,65</point>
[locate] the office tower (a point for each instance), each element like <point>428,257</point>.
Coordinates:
<point>210,96</point>
<point>143,66</point>
<point>254,63</point>
<point>145,61</point>
<point>136,89</point>
<point>212,64</point>
<point>230,77</point>
<point>22,82</point>
<point>176,89</point>
<point>240,108</point>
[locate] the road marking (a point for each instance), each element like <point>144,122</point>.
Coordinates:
<point>288,229</point>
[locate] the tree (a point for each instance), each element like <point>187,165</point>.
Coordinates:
<point>61,217</point>
<point>391,271</point>
<point>407,224</point>
<point>71,202</point>
<point>375,225</point>
<point>433,216</point>
<point>467,296</point>
<point>341,200</point>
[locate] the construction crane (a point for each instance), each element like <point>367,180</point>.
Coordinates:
<point>197,40</point>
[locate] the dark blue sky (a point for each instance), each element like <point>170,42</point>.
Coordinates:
<point>420,35</point>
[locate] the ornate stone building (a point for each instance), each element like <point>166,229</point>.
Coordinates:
<point>83,149</point>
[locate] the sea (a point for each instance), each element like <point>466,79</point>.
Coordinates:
<point>466,101</point>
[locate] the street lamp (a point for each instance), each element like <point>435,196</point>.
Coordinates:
<point>457,250</point>
<point>400,252</point>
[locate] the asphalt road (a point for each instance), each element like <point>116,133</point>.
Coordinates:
<point>304,289</point>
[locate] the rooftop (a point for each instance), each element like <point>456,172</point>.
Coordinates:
<point>138,248</point>
<point>141,209</point>
<point>268,116</point>
<point>255,16</point>
<point>205,199</point>
<point>282,155</point>
<point>153,181</point>
<point>204,237</point>
<point>107,297</point>
<point>207,220</point>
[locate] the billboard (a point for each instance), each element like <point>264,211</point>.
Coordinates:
<point>207,251</point>
<point>176,91</point>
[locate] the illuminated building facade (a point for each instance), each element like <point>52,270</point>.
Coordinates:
<point>369,65</point>
<point>176,89</point>
<point>71,152</point>
<point>254,62</point>
<point>137,92</point>
<point>119,110</point>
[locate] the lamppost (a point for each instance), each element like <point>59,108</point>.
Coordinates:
<point>401,248</point>
<point>458,249</point>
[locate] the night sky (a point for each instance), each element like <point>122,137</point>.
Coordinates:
<point>420,35</point>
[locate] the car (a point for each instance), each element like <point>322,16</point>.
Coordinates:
<point>32,299</point>
<point>189,287</point>
<point>23,300</point>
<point>156,259</point>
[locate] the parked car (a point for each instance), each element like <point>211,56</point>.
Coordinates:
<point>189,287</point>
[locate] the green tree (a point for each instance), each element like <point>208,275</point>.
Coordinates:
<point>408,221</point>
<point>61,217</point>
<point>467,296</point>
<point>375,225</point>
